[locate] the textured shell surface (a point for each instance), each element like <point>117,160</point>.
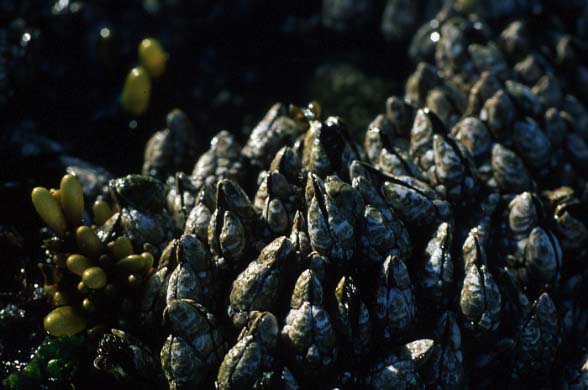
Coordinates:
<point>531,143</point>
<point>395,301</point>
<point>226,237</point>
<point>392,374</point>
<point>170,150</point>
<point>414,205</point>
<point>274,131</point>
<point>537,341</point>
<point>446,365</point>
<point>474,135</point>
<point>195,346</point>
<point>308,331</point>
<point>330,232</point>
<point>509,170</point>
<point>251,355</point>
<point>126,357</point>
<point>543,255</point>
<point>222,160</point>
<point>498,113</point>
<point>480,300</point>
<point>193,277</point>
<point>258,286</point>
<point>523,214</point>
<point>352,321</point>
<point>437,276</point>
<point>139,192</point>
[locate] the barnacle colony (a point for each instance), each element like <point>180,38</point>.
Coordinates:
<point>449,250</point>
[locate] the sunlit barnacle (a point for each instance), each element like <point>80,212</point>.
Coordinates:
<point>543,256</point>
<point>247,361</point>
<point>194,347</point>
<point>308,332</point>
<point>172,149</point>
<point>331,233</point>
<point>524,214</point>
<point>388,154</point>
<point>395,311</point>
<point>437,276</point>
<point>222,160</point>
<point>273,132</point>
<point>480,299</point>
<point>328,148</point>
<point>193,277</point>
<point>413,200</point>
<point>258,287</point>
<point>199,218</point>
<point>445,162</point>
<point>399,370</point>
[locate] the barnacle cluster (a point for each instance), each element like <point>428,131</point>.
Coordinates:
<point>448,251</point>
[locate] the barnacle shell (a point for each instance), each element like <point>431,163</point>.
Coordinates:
<point>194,347</point>
<point>330,232</point>
<point>523,214</point>
<point>395,302</point>
<point>257,288</point>
<point>244,364</point>
<point>193,276</point>
<point>273,132</point>
<point>533,146</point>
<point>307,332</point>
<point>352,321</point>
<point>446,364</point>
<point>437,277</point>
<point>480,298</point>
<point>543,255</point>
<point>509,170</point>
<point>537,341</point>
